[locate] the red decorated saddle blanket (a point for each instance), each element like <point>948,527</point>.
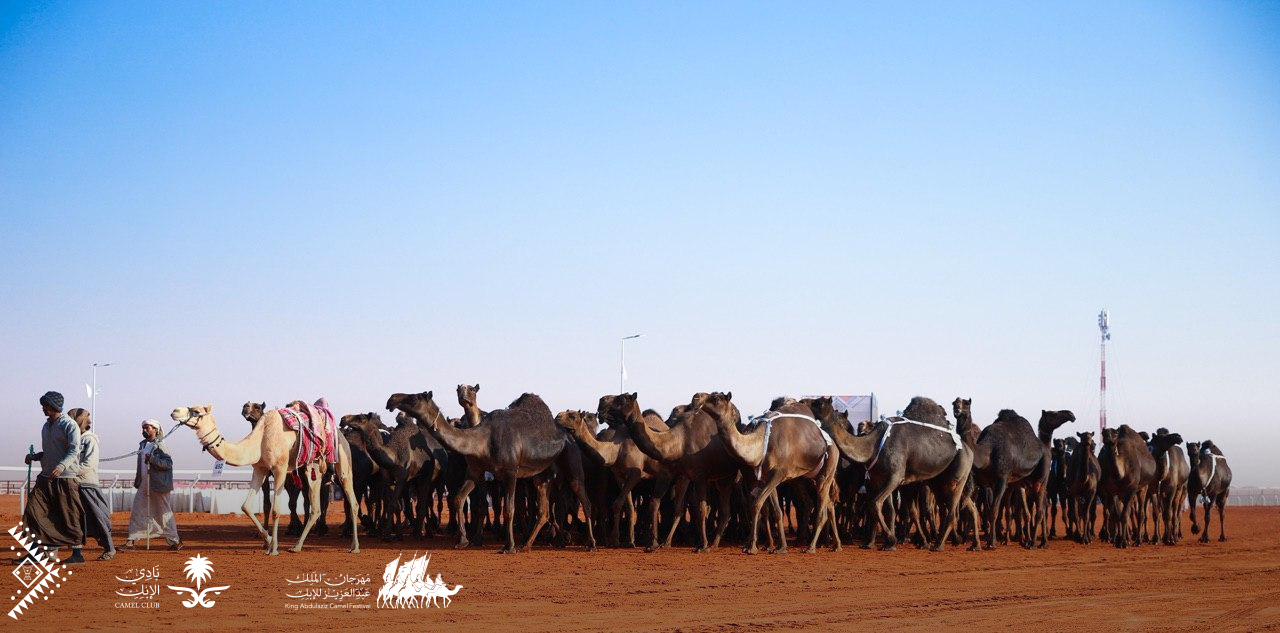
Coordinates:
<point>317,432</point>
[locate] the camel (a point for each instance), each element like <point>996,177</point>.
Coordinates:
<point>272,448</point>
<point>367,476</point>
<point>1170,489</point>
<point>618,452</point>
<point>519,442</point>
<point>919,447</point>
<point>253,411</point>
<point>1128,468</point>
<point>1010,453</point>
<point>788,445</point>
<point>471,414</point>
<point>1210,479</point>
<point>407,461</point>
<point>1083,473</point>
<point>691,447</point>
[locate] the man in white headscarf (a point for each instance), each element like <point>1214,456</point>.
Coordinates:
<point>152,515</point>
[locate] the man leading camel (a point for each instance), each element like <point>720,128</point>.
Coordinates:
<point>152,515</point>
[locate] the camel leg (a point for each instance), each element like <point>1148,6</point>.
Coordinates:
<point>544,511</point>
<point>345,478</point>
<point>1222,518</point>
<point>700,515</point>
<point>295,524</point>
<point>258,477</point>
<point>273,542</point>
<point>681,491</point>
<point>1042,511</point>
<point>890,536</point>
<point>762,496</point>
<point>624,498</point>
<point>824,507</point>
<point>955,491</point>
<point>314,482</point>
<point>724,490</point>
<point>973,514</point>
<point>459,499</point>
<point>509,515</point>
<point>993,512</point>
<point>571,462</point>
<point>660,488</point>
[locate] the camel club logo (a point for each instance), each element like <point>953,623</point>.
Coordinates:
<point>408,587</point>
<point>36,571</point>
<point>198,569</point>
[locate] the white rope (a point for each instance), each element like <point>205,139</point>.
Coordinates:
<point>768,432</point>
<point>955,437</point>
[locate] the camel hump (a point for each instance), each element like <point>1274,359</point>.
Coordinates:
<point>528,400</point>
<point>1009,415</point>
<point>923,409</point>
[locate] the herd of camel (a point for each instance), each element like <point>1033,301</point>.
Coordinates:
<point>918,477</point>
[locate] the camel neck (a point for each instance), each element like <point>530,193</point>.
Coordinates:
<point>246,452</point>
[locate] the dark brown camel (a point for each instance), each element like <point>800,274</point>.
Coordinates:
<point>409,467</point>
<point>1127,470</point>
<point>1083,474</point>
<point>1012,453</point>
<point>691,447</point>
<point>519,442</point>
<point>471,414</point>
<point>1210,479</point>
<point>614,447</point>
<point>919,447</point>
<point>788,445</point>
<point>1170,489</point>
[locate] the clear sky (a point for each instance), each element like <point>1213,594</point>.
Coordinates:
<point>238,201</point>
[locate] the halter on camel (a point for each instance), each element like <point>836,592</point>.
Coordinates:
<point>955,437</point>
<point>768,419</point>
<point>205,442</point>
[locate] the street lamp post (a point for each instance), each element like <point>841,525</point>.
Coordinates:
<point>93,396</point>
<point>622,361</point>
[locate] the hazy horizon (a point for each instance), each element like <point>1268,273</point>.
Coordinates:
<point>240,203</point>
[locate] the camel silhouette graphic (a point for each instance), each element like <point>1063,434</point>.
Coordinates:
<point>407,586</point>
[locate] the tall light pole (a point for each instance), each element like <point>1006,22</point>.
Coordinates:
<point>1104,326</point>
<point>93,394</point>
<point>622,361</point>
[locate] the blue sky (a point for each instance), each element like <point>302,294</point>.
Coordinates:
<point>235,202</point>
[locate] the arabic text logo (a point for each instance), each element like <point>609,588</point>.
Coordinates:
<point>199,568</point>
<point>36,572</point>
<point>143,589</point>
<point>409,587</point>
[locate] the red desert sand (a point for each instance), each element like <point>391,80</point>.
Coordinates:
<point>1232,586</point>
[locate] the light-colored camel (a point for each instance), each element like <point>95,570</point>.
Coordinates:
<point>272,448</point>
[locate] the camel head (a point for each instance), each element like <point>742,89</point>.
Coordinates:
<point>962,407</point>
<point>467,394</point>
<point>1193,454</point>
<point>253,411</point>
<point>607,411</point>
<point>1059,447</point>
<point>1051,420</point>
<point>419,405</point>
<point>829,417</point>
<point>1109,436</point>
<point>1086,441</point>
<point>1208,446</point>
<point>781,401</point>
<point>720,407</point>
<point>576,421</point>
<point>366,424</point>
<point>625,407</point>
<point>1164,441</point>
<point>193,416</point>
<point>403,419</point>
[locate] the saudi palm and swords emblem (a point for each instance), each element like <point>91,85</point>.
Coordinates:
<point>198,569</point>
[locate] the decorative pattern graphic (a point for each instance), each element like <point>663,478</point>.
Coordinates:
<point>36,572</point>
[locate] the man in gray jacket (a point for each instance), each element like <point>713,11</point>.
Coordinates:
<point>54,513</point>
<point>97,512</point>
<point>152,515</point>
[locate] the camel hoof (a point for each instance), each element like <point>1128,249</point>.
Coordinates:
<point>865,546</point>
<point>273,553</point>
<point>811,550</point>
<point>836,548</point>
<point>591,548</point>
<point>1222,539</point>
<point>295,550</point>
<point>935,548</point>
<point>750,550</point>
<point>701,550</point>
<point>463,545</point>
<point>355,550</point>
<point>650,549</point>
<point>889,547</point>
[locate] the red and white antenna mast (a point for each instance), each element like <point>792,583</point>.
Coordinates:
<point>1104,326</point>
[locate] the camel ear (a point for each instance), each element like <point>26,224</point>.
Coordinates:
<point>635,395</point>
<point>728,396</point>
<point>476,388</point>
<point>428,396</point>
